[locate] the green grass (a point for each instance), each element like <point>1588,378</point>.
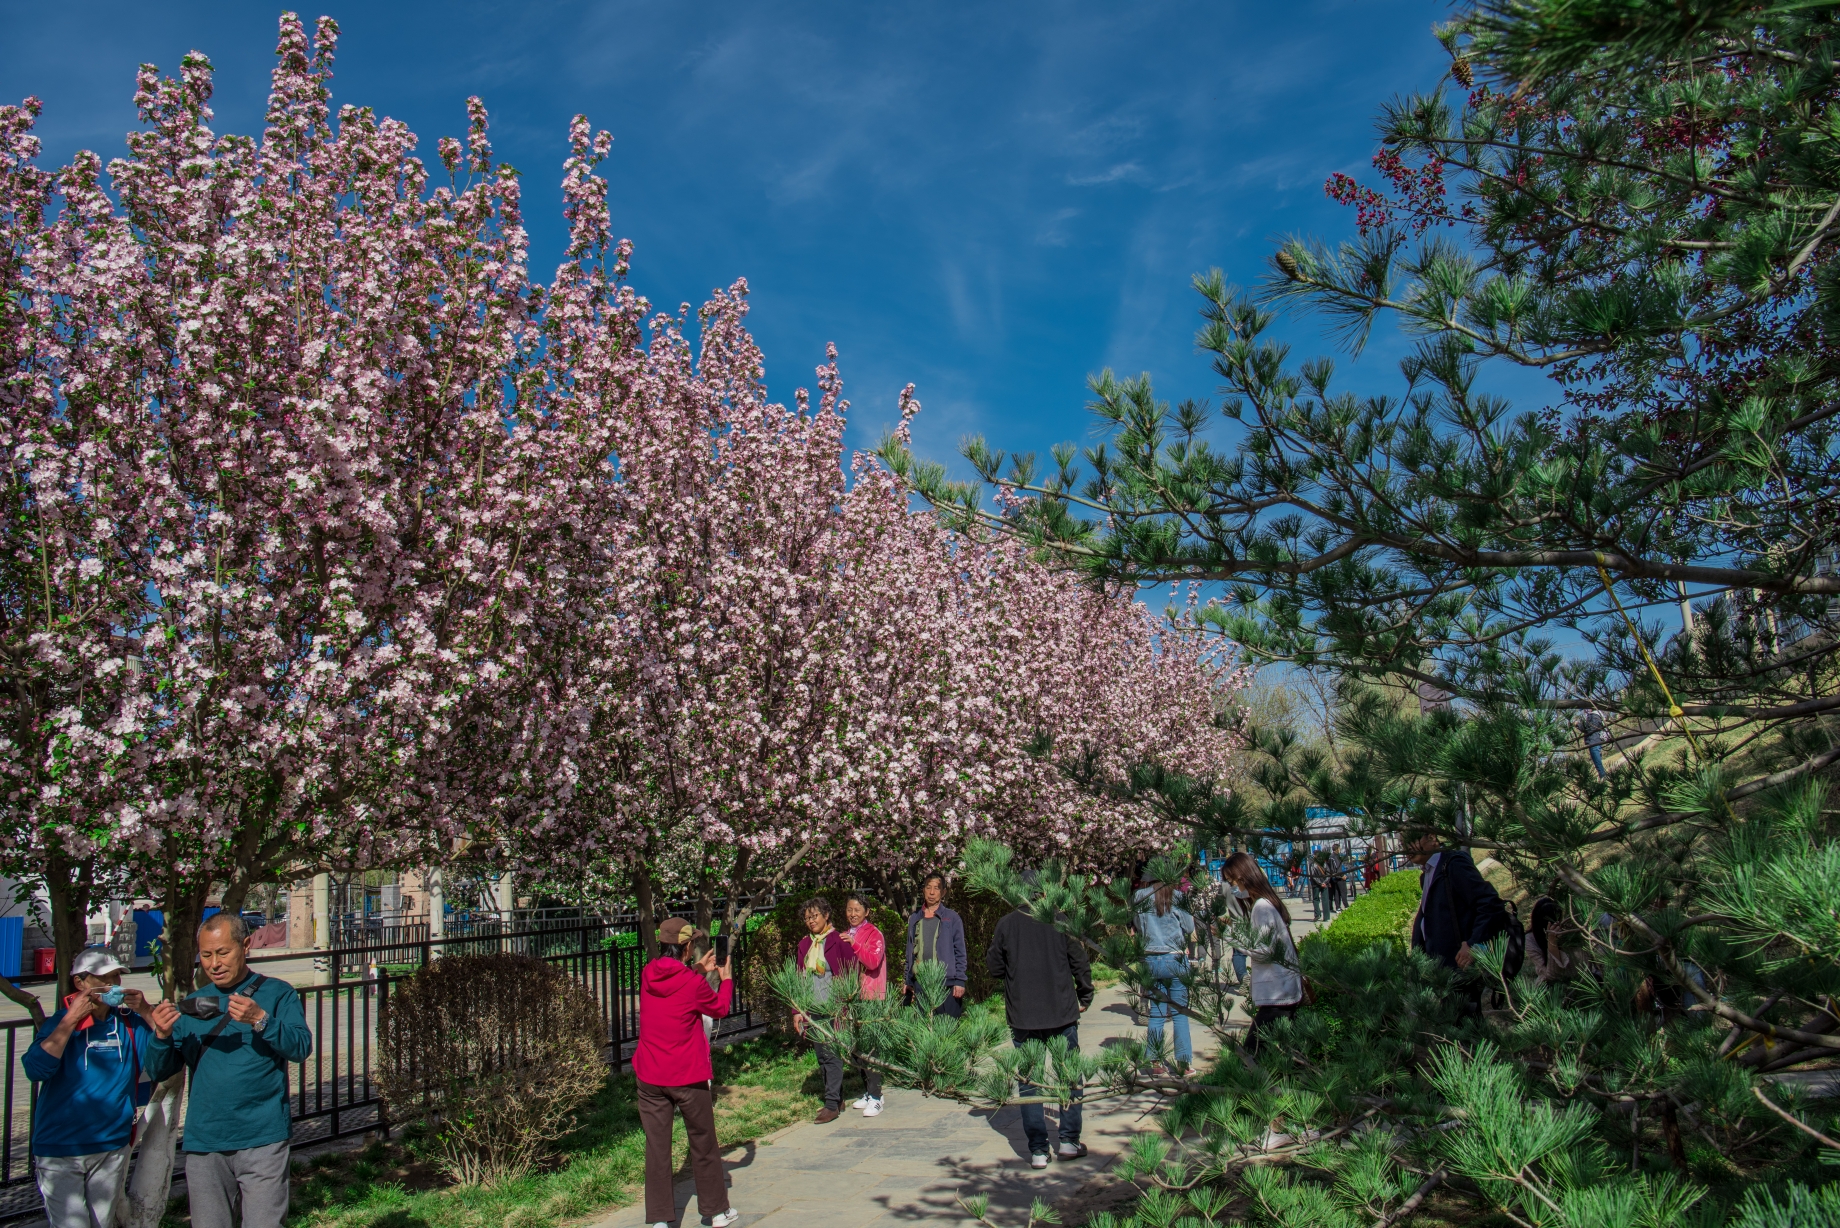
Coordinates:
<point>1384,914</point>
<point>762,1085</point>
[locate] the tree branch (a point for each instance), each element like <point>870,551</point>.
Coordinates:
<point>1791,1119</point>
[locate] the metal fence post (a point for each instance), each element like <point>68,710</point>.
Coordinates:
<point>383,1053</point>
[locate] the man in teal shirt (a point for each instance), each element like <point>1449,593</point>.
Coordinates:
<point>237,1035</point>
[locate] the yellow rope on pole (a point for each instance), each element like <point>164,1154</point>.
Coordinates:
<point>1768,1036</point>
<point>1674,709</point>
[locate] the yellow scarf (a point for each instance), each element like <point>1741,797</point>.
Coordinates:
<point>815,962</point>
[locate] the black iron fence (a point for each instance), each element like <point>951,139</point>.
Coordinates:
<point>332,1094</point>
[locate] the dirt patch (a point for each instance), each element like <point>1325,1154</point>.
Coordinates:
<point>416,1176</point>
<point>1102,1193</point>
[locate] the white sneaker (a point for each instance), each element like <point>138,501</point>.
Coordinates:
<point>861,1102</point>
<point>662,1224</point>
<point>873,1108</point>
<point>1038,1161</point>
<point>725,1219</point>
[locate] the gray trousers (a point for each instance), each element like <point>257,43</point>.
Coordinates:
<point>83,1191</point>
<point>250,1185</point>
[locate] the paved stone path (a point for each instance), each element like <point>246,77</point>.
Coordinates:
<point>911,1165</point>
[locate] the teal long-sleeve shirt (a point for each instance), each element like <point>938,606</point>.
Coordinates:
<point>239,1093</point>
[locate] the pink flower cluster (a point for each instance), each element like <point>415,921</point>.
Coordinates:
<point>331,536</point>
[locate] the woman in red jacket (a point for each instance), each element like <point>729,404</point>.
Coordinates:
<point>673,1070</point>
<point>870,952</point>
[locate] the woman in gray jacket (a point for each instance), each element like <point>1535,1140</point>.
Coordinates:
<point>1276,984</point>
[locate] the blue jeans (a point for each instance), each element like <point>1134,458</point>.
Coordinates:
<point>1034,1119</point>
<point>1239,965</point>
<point>1168,971</point>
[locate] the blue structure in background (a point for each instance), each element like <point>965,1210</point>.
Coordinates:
<point>12,944</point>
<point>1281,851</point>
<point>149,924</point>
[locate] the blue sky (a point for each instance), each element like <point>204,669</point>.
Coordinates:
<point>992,201</point>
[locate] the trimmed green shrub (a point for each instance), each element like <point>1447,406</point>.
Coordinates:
<point>1383,915</point>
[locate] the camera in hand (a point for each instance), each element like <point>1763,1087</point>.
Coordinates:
<point>201,1008</point>
<point>721,949</point>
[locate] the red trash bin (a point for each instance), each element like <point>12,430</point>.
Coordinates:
<point>45,960</point>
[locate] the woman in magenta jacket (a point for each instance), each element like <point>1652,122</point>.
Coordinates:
<point>672,1066</point>
<point>823,955</point>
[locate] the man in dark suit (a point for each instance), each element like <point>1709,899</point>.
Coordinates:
<point>1457,910</point>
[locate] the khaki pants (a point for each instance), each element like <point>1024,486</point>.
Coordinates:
<point>82,1191</point>
<point>657,1106</point>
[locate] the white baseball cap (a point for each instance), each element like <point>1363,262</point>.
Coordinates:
<point>96,961</point>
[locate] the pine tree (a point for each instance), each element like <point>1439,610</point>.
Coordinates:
<point>1643,200</point>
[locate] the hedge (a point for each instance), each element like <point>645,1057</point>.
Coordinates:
<point>1384,914</point>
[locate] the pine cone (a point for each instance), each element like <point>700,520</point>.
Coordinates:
<point>1459,68</point>
<point>1288,263</point>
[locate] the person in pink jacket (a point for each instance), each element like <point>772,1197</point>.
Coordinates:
<point>671,1064</point>
<point>869,953</point>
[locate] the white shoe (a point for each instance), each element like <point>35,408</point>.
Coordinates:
<point>662,1224</point>
<point>861,1102</point>
<point>725,1219</point>
<point>873,1108</point>
<point>1038,1161</point>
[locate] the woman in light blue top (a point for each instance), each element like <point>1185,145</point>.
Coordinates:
<point>1167,932</point>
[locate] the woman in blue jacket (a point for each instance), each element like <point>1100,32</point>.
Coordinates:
<point>87,1059</point>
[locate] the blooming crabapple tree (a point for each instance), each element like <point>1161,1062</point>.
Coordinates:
<point>745,662</point>
<point>70,694</point>
<point>261,488</point>
<point>331,535</point>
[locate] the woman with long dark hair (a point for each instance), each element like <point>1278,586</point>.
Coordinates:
<point>1276,984</point>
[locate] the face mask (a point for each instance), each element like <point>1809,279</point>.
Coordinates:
<point>200,1008</point>
<point>1239,891</point>
<point>113,996</point>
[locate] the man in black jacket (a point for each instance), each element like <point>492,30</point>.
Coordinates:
<point>1457,910</point>
<point>1047,983</point>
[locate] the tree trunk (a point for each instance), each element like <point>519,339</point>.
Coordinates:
<point>29,1001</point>
<point>642,890</point>
<point>236,893</point>
<point>737,884</point>
<point>772,884</point>
<point>705,901</point>
<point>1670,1127</point>
<point>69,884</point>
<point>179,945</point>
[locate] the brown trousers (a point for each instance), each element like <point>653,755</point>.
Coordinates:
<point>656,1108</point>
